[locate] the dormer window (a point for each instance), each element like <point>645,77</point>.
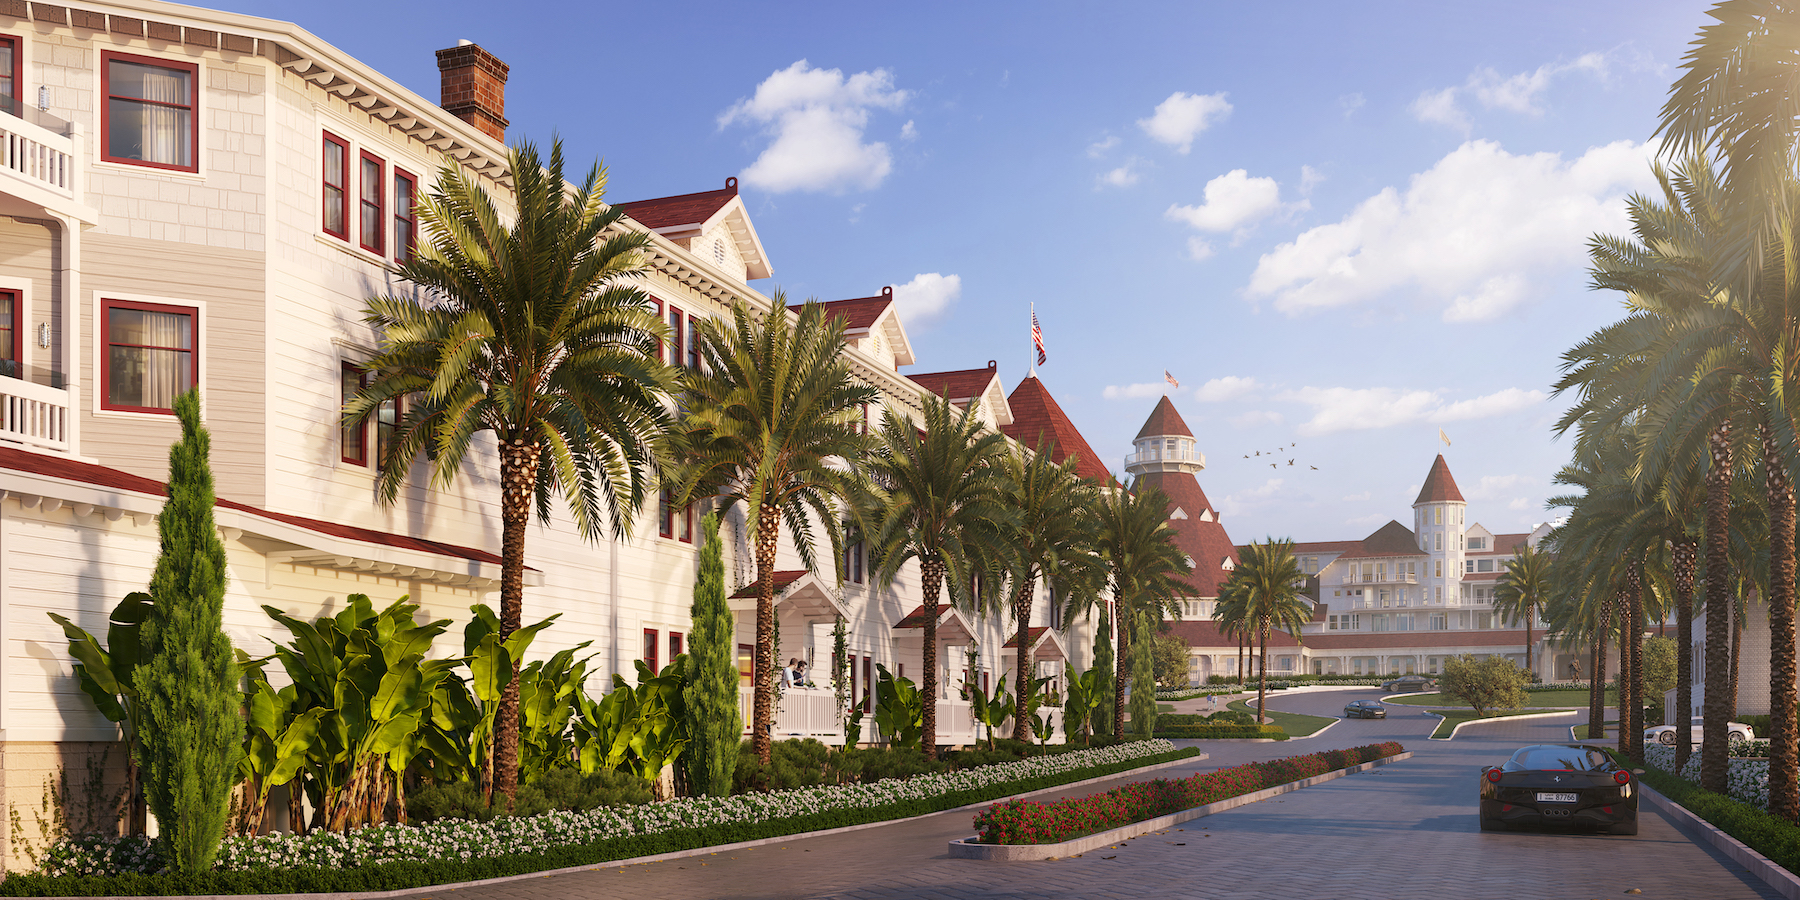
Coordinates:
<point>719,250</point>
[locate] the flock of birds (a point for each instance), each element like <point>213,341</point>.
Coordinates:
<point>1277,453</point>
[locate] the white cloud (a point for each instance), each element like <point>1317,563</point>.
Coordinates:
<point>1229,387</point>
<point>1369,521</point>
<point>1123,176</point>
<point>1309,179</point>
<point>815,120</point>
<point>1467,234</point>
<point>1518,93</point>
<point>908,132</point>
<point>1136,391</point>
<point>1233,504</point>
<point>1363,497</point>
<point>1181,118</point>
<point>1099,148</point>
<point>1493,487</point>
<point>1362,409</point>
<point>1350,103</point>
<point>1520,504</point>
<point>927,295</point>
<point>1233,200</point>
<point>1257,417</point>
<point>1199,249</point>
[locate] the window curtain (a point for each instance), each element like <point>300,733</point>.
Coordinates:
<point>166,372</point>
<point>164,138</point>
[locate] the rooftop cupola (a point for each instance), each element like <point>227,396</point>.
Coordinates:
<point>1164,444</point>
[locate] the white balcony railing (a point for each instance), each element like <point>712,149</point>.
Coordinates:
<point>33,150</point>
<point>812,713</point>
<point>34,414</point>
<point>1380,578</point>
<point>1149,456</point>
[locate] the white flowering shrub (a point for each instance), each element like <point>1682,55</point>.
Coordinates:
<point>458,839</point>
<point>1747,780</point>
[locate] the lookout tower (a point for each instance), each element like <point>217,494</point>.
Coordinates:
<point>1164,444</point>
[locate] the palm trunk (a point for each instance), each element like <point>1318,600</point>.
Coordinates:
<point>1738,611</point>
<point>1530,663</point>
<point>1784,751</point>
<point>1718,705</point>
<point>1122,641</point>
<point>1634,619</point>
<point>1022,681</point>
<point>1262,672</point>
<point>1240,667</point>
<point>1597,688</point>
<point>518,483</point>
<point>931,582</point>
<point>762,707</point>
<point>1687,554</point>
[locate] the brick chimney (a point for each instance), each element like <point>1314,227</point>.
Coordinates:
<point>474,87</point>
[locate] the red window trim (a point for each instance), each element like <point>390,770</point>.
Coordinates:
<point>686,532</point>
<point>408,215</point>
<point>693,344</point>
<point>665,514</point>
<point>747,651</point>
<point>868,685</point>
<point>343,189</point>
<point>17,350</point>
<point>399,413</point>
<point>380,246</point>
<point>676,645</point>
<point>18,68</point>
<point>106,59</point>
<point>659,317</point>
<point>676,354</point>
<point>106,307</point>
<point>650,649</point>
<point>362,427</point>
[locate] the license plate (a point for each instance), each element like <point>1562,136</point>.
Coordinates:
<point>1544,797</point>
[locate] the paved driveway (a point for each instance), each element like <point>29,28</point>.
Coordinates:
<point>1406,830</point>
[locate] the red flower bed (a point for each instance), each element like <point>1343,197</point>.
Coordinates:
<point>1029,822</point>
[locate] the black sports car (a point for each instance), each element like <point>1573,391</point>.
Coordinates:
<point>1365,709</point>
<point>1559,784</point>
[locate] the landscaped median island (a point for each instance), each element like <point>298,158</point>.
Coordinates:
<point>393,857</point>
<point>1030,822</point>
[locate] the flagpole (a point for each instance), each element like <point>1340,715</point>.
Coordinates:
<point>1032,331</point>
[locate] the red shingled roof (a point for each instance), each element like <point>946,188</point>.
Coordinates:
<point>1439,486</point>
<point>1206,542</point>
<point>959,384</point>
<point>1392,539</point>
<point>1205,633</point>
<point>1037,632</point>
<point>682,209</point>
<point>103,476</point>
<point>782,581</point>
<point>858,314</point>
<point>1324,546</point>
<point>1388,640</point>
<point>1164,420</point>
<point>1038,420</point>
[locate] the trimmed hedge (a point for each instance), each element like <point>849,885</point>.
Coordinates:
<point>1775,838</point>
<point>1220,732</point>
<point>403,875</point>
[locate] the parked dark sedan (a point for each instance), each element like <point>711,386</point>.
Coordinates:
<point>1410,684</point>
<point>1365,709</point>
<point>1559,784</point>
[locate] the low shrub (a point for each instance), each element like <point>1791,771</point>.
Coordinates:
<point>1220,732</point>
<point>560,789</point>
<point>1222,717</point>
<point>1773,837</point>
<point>1760,724</point>
<point>1029,822</point>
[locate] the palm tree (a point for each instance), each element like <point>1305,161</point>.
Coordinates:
<point>1231,612</point>
<point>1521,592</point>
<point>774,421</point>
<point>1052,540</point>
<point>533,332</point>
<point>945,506</point>
<point>1147,573</point>
<point>1269,578</point>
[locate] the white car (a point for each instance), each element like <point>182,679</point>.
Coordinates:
<point>1665,734</point>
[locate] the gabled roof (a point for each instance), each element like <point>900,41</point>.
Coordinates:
<point>866,315</point>
<point>1439,486</point>
<point>1037,421</point>
<point>797,593</point>
<point>1202,538</point>
<point>1205,633</point>
<point>1164,420</point>
<point>782,581</point>
<point>1046,644</point>
<point>1324,546</point>
<point>1392,539</point>
<point>963,385</point>
<point>953,628</point>
<point>686,216</point>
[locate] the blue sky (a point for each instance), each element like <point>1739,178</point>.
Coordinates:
<point>1342,227</point>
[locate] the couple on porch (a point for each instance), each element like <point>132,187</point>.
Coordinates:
<point>793,675</point>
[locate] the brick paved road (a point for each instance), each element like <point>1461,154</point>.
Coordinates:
<point>1407,830</point>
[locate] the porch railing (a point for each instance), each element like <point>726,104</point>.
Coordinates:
<point>36,415</point>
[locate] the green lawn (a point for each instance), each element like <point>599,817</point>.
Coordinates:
<point>1554,699</point>
<point>1455,717</point>
<point>1165,707</point>
<point>1295,724</point>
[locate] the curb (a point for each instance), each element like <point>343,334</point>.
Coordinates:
<point>1459,727</point>
<point>967,848</point>
<point>678,854</point>
<point>1784,882</point>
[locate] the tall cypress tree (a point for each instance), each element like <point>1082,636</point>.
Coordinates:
<point>192,732</point>
<point>1102,716</point>
<point>714,724</point>
<point>1143,676</point>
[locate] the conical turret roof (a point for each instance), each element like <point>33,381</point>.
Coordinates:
<point>1164,420</point>
<point>1439,486</point>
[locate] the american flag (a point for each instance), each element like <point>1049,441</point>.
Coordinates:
<point>1170,378</point>
<point>1037,338</point>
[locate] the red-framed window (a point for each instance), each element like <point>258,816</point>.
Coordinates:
<point>406,221</point>
<point>353,440</point>
<point>746,664</point>
<point>672,521</point>
<point>12,323</point>
<point>151,116</point>
<point>693,345</point>
<point>387,425</point>
<point>853,555</point>
<point>868,685</point>
<point>372,203</point>
<point>334,173</point>
<point>152,355</point>
<point>864,428</point>
<point>11,63</point>
<point>676,645</point>
<point>676,333</point>
<point>650,649</point>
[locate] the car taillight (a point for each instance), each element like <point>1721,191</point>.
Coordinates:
<point>1621,777</point>
<point>1493,775</point>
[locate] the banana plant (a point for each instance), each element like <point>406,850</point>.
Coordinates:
<point>899,710</point>
<point>547,692</point>
<point>105,675</point>
<point>1086,691</point>
<point>640,729</point>
<point>991,711</point>
<point>276,744</point>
